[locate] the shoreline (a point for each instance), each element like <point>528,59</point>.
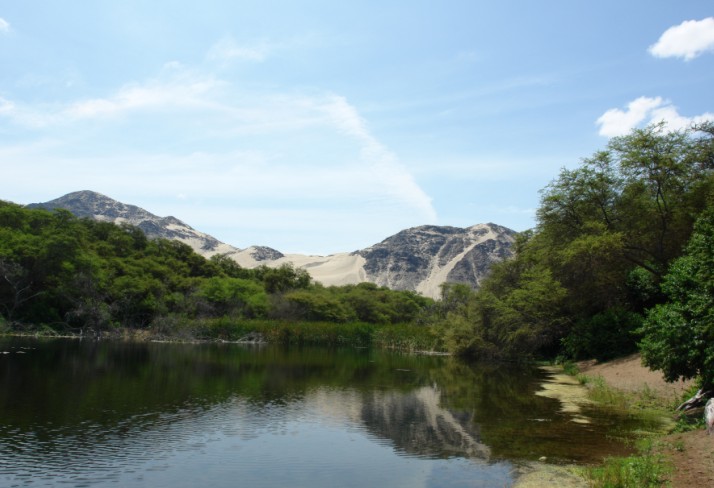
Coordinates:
<point>689,454</point>
<point>396,337</point>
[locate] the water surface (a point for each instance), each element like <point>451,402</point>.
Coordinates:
<point>84,413</point>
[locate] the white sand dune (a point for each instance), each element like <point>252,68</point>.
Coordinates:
<point>349,268</point>
<point>334,270</point>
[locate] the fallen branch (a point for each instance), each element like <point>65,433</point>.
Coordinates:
<point>696,401</point>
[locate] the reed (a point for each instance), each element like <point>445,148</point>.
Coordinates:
<point>358,334</point>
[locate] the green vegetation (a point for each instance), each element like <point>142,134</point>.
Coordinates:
<point>615,262</point>
<point>60,274</point>
<point>678,335</point>
<point>643,402</point>
<point>621,258</point>
<point>643,470</point>
<point>648,467</point>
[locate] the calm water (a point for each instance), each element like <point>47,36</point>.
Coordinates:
<point>79,413</point>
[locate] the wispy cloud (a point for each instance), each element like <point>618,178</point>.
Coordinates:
<point>618,122</point>
<point>227,49</point>
<point>154,94</point>
<point>4,26</point>
<point>388,172</point>
<point>219,145</point>
<point>182,89</point>
<point>687,40</point>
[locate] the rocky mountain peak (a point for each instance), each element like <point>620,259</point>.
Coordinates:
<point>94,205</point>
<point>422,258</point>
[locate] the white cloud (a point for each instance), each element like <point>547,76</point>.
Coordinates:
<point>4,26</point>
<point>618,122</point>
<point>675,121</point>
<point>686,40</point>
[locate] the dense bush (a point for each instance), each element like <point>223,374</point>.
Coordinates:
<point>582,280</point>
<point>603,336</point>
<point>78,274</point>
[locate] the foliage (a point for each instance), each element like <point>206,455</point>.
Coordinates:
<point>581,282</point>
<point>234,296</point>
<point>603,336</point>
<point>92,277</point>
<point>511,316</point>
<point>678,336</point>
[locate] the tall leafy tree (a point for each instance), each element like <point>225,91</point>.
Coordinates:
<point>678,336</point>
<point>607,232</point>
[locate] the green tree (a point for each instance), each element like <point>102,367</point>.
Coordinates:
<point>317,304</point>
<point>15,288</point>
<point>230,268</point>
<point>607,231</point>
<point>235,296</point>
<point>283,278</point>
<point>678,336</point>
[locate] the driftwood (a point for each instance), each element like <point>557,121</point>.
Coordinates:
<point>694,402</point>
<point>252,338</point>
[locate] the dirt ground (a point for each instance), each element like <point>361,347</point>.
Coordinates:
<point>628,374</point>
<point>691,453</point>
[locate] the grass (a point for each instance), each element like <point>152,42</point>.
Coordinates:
<point>570,368</point>
<point>359,334</point>
<point>405,337</point>
<point>279,332</point>
<point>599,391</point>
<point>646,469</point>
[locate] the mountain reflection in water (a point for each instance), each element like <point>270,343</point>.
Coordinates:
<point>416,424</point>
<point>100,413</point>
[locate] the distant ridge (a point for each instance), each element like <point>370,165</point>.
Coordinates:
<point>93,205</point>
<point>418,259</point>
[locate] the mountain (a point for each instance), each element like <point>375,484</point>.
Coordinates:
<point>419,259</point>
<point>93,205</point>
<point>422,258</point>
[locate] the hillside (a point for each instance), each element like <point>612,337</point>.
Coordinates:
<point>418,259</point>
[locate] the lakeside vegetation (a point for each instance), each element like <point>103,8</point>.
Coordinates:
<point>63,275</point>
<point>621,259</point>
<point>648,465</point>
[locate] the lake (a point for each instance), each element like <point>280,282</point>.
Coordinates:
<point>85,413</point>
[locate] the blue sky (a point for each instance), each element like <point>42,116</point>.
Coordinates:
<point>323,126</point>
